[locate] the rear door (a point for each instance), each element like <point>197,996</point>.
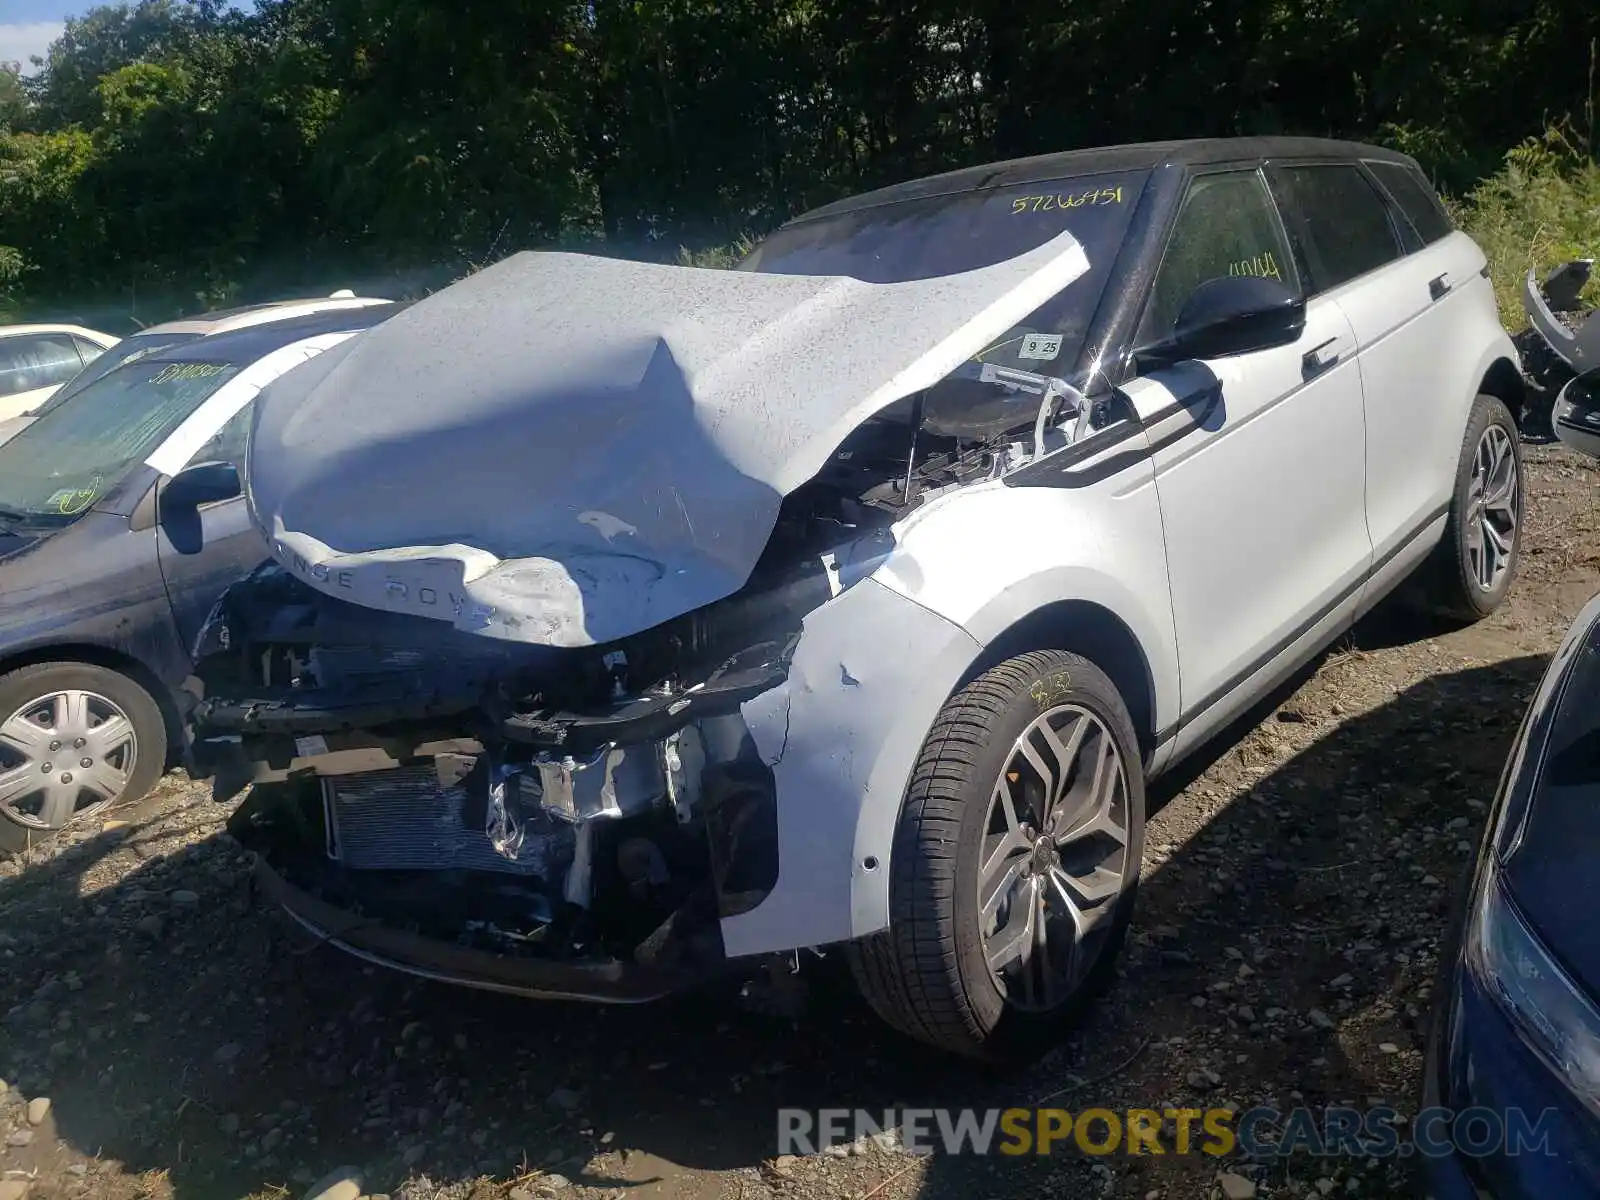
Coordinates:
<point>1261,488</point>
<point>1400,287</point>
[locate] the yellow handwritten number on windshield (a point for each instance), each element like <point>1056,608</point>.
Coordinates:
<point>177,372</point>
<point>1039,204</point>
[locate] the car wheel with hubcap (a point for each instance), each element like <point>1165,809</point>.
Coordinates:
<point>76,740</point>
<point>1015,862</point>
<point>1476,560</point>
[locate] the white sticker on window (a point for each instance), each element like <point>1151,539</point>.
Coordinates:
<point>1042,347</point>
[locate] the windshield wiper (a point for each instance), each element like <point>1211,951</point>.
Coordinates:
<point>11,521</point>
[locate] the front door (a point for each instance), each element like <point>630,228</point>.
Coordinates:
<point>1262,494</point>
<point>200,559</point>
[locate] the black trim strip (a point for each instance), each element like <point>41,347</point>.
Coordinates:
<point>1040,471</point>
<point>1055,470</point>
<point>1239,678</point>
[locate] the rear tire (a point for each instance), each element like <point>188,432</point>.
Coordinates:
<point>1473,566</point>
<point>100,733</point>
<point>1073,865</point>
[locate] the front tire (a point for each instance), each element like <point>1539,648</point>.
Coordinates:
<point>1015,862</point>
<point>1475,562</point>
<point>76,740</point>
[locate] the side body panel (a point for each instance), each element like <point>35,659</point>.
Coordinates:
<point>1264,512</point>
<point>1422,324</point>
<point>94,583</point>
<point>1407,551</point>
<point>200,559</point>
<point>875,664</point>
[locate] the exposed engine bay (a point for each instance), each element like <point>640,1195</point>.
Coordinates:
<point>1561,351</point>
<point>556,819</point>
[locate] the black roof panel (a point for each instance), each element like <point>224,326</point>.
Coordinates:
<point>1135,156</point>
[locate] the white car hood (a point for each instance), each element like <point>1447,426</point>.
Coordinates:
<point>565,449</point>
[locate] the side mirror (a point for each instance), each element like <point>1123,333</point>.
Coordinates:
<point>1233,314</point>
<point>203,483</point>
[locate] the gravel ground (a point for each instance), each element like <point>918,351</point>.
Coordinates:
<point>191,1043</point>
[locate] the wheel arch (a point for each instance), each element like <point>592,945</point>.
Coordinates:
<point>1503,379</point>
<point>112,660</point>
<point>1097,633</point>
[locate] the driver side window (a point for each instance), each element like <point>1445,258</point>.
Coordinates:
<point>228,444</point>
<point>1227,226</point>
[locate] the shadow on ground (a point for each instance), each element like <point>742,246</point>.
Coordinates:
<point>202,1034</point>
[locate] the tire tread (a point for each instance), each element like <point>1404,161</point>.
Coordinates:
<point>910,972</point>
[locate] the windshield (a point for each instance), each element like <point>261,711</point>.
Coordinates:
<point>74,453</point>
<point>128,350</point>
<point>944,235</point>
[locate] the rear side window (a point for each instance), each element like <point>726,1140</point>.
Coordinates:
<point>87,350</point>
<point>1415,198</point>
<point>36,360</point>
<point>1338,222</point>
<point>1225,227</point>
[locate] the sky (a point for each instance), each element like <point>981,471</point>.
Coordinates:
<point>28,26</point>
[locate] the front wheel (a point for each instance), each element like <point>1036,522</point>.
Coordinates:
<point>1015,861</point>
<point>75,740</point>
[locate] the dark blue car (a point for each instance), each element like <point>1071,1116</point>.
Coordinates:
<point>121,522</point>
<point>1513,1074</point>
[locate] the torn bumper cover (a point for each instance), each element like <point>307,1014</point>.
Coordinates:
<point>1569,351</point>
<point>572,676</point>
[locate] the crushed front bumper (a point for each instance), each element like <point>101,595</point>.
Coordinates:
<point>396,949</point>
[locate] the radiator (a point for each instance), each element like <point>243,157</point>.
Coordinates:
<point>402,820</point>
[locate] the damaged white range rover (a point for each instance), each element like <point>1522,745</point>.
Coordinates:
<point>628,625</point>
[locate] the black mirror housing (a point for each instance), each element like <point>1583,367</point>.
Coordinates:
<point>1233,314</point>
<point>203,483</point>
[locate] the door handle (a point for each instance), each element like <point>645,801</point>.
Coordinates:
<point>1439,286</point>
<point>1320,357</point>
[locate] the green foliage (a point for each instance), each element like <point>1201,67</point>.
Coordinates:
<point>720,257</point>
<point>12,268</point>
<point>178,153</point>
<point>13,99</point>
<point>1542,208</point>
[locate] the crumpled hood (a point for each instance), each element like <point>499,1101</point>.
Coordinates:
<point>565,449</point>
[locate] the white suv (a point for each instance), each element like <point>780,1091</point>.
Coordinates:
<point>631,623</point>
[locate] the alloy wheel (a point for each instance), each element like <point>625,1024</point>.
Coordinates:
<point>64,755</point>
<point>1054,856</point>
<point>1493,508</point>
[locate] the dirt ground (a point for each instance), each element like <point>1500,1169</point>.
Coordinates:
<point>193,1043</point>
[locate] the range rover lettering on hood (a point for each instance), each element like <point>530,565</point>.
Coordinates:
<point>565,449</point>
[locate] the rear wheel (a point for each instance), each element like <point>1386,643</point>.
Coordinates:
<point>1015,863</point>
<point>1476,560</point>
<point>76,741</point>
